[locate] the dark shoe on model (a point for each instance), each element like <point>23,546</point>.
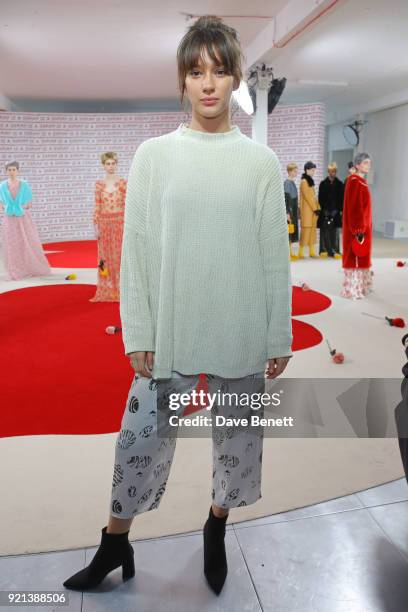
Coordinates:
<point>215,559</point>
<point>115,550</point>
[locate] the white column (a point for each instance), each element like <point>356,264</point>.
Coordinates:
<point>361,145</point>
<point>4,103</point>
<point>260,118</point>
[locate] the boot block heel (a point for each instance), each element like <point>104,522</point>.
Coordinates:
<point>128,569</point>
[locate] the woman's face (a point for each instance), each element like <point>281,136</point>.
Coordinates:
<point>365,166</point>
<point>293,173</point>
<point>12,172</point>
<point>110,166</point>
<point>208,80</point>
<point>311,171</point>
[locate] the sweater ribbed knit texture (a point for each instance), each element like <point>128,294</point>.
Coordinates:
<point>205,273</point>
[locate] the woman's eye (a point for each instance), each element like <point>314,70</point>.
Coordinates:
<point>197,72</point>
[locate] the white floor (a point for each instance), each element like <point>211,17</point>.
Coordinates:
<point>346,555</point>
<point>371,347</point>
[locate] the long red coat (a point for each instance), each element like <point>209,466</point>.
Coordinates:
<point>357,219</point>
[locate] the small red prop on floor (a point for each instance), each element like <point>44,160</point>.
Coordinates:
<point>111,329</point>
<point>335,355</point>
<point>393,322</point>
<point>396,322</point>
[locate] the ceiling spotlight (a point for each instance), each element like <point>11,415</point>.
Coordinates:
<point>261,77</point>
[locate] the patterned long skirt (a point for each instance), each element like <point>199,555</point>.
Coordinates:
<point>22,250</point>
<point>357,283</point>
<point>109,251</point>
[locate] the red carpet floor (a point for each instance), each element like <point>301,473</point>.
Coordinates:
<point>308,302</point>
<point>64,374</point>
<point>76,254</point>
<point>84,254</point>
<point>61,372</point>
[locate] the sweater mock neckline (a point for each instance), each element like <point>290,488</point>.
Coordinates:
<point>232,135</point>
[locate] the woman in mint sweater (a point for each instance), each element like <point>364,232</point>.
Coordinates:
<point>205,288</point>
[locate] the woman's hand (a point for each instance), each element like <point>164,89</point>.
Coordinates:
<point>96,232</point>
<point>142,362</point>
<point>276,365</point>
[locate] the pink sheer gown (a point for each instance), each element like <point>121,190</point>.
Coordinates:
<point>23,254</point>
<point>108,219</point>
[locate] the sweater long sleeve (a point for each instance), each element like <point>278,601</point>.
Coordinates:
<point>205,279</point>
<point>135,309</point>
<point>273,237</point>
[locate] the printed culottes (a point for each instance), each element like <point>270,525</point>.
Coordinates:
<point>146,442</point>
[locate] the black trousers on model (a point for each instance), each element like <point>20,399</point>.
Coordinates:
<point>328,240</point>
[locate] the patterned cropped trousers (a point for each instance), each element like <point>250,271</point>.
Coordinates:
<point>146,442</point>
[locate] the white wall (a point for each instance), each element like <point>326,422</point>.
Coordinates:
<point>335,138</point>
<point>4,103</point>
<point>59,154</point>
<point>338,149</point>
<point>385,138</point>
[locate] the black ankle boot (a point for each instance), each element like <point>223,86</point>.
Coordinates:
<point>114,550</point>
<point>215,559</point>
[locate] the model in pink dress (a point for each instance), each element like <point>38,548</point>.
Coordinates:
<point>21,245</point>
<point>108,219</point>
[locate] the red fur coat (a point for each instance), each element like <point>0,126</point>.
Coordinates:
<point>357,219</point>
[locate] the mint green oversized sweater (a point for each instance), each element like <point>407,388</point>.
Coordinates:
<point>205,273</point>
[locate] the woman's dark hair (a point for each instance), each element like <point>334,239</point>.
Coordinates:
<point>209,33</point>
<point>309,165</point>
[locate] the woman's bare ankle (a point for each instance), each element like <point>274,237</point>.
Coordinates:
<point>117,525</point>
<point>219,512</point>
